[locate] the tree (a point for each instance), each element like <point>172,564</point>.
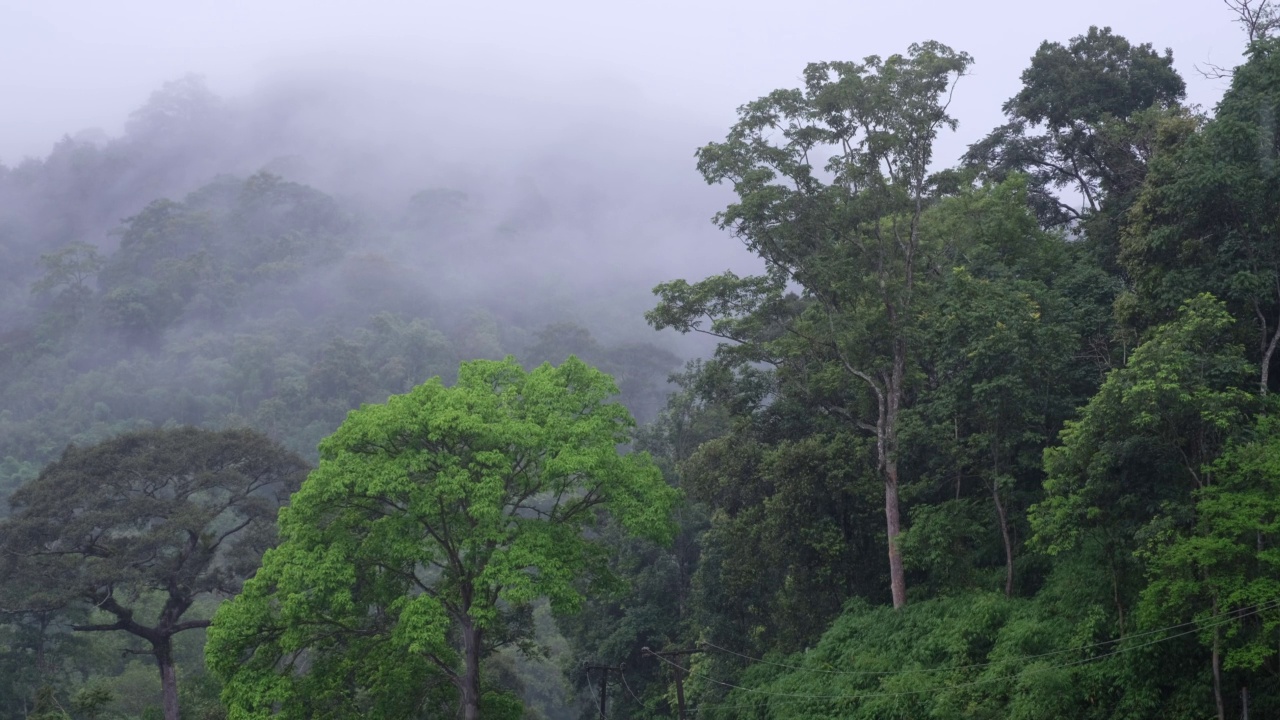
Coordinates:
<point>1140,447</point>
<point>1226,561</point>
<point>180,107</point>
<point>168,514</point>
<point>1083,122</point>
<point>67,273</point>
<point>1206,217</point>
<point>992,400</point>
<point>1259,18</point>
<point>654,609</point>
<point>832,181</point>
<point>995,339</point>
<point>147,282</point>
<point>431,522</point>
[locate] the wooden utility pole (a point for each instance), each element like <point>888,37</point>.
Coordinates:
<point>604,681</point>
<point>679,671</point>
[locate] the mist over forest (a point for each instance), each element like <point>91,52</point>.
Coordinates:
<point>314,214</point>
<point>424,391</point>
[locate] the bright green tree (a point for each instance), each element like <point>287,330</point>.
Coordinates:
<point>431,522</point>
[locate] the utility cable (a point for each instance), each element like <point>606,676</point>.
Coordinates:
<point>921,671</point>
<point>595,699</point>
<point>635,697</point>
<point>802,697</point>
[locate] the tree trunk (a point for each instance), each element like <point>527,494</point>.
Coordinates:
<point>1217,673</point>
<point>1115,587</point>
<point>471,674</point>
<point>163,650</point>
<point>42,668</point>
<point>893,526</point>
<point>1004,534</point>
<point>1266,359</point>
<point>889,456</point>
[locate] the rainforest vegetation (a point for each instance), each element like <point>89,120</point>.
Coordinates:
<point>984,437</point>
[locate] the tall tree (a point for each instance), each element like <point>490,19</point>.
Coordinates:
<point>430,520</point>
<point>993,360</point>
<point>167,514</point>
<point>1208,216</point>
<point>995,338</point>
<point>832,181</point>
<point>1081,127</point>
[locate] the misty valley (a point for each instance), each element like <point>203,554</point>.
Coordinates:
<point>316,406</point>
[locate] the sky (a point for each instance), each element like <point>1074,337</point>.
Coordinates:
<point>71,66</point>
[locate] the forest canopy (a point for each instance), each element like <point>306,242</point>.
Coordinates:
<point>981,436</point>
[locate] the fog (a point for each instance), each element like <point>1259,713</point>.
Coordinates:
<point>74,65</point>
<point>270,213</point>
<point>591,110</point>
<point>327,237</point>
<point>581,115</point>
<point>529,162</point>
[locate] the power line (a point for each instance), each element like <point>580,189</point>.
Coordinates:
<point>680,708</point>
<point>635,697</point>
<point>921,671</point>
<point>803,697</point>
<point>594,699</point>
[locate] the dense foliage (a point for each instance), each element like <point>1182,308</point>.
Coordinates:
<point>437,518</point>
<point>995,440</point>
<point>167,517</point>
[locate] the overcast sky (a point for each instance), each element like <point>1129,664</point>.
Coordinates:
<point>69,66</point>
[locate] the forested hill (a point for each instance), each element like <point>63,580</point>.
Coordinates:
<point>979,437</point>
<point>224,299</point>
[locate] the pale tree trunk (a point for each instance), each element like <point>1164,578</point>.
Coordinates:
<point>1268,351</point>
<point>163,649</point>
<point>886,433</point>
<point>1003,517</point>
<point>1008,540</point>
<point>893,527</point>
<point>470,686</point>
<point>1217,672</point>
<point>889,459</point>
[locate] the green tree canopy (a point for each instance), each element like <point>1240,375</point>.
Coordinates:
<point>65,283</point>
<point>1140,447</point>
<point>1082,122</point>
<point>431,522</point>
<point>1225,561</point>
<point>846,230</point>
<point>170,513</point>
<point>1207,217</point>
